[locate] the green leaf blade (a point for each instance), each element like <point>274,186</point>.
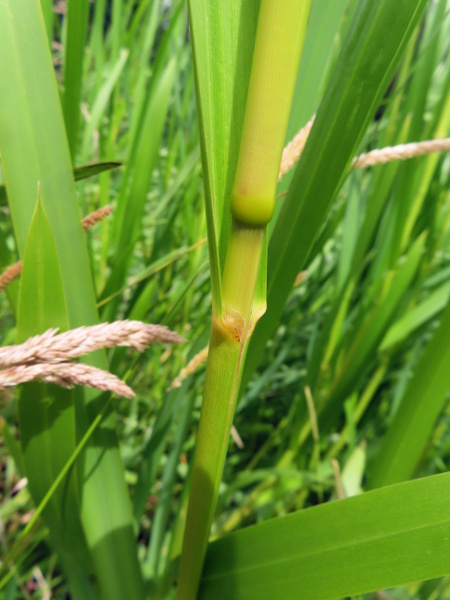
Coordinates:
<point>34,149</point>
<point>46,412</point>
<point>380,539</point>
<point>41,282</point>
<point>223,40</point>
<point>87,171</point>
<point>373,327</point>
<point>77,26</point>
<point>377,36</point>
<point>422,403</point>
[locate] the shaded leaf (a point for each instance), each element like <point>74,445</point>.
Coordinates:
<point>92,170</point>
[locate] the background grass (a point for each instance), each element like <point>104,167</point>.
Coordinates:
<point>354,331</point>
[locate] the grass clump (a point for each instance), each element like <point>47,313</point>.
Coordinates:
<point>325,309</point>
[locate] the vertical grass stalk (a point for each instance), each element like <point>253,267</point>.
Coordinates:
<point>279,40</point>
<point>77,26</point>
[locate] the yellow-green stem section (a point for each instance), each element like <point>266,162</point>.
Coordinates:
<point>239,279</point>
<point>279,40</point>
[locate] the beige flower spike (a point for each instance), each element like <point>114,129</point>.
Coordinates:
<point>47,357</point>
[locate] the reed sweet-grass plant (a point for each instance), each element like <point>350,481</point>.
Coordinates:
<point>340,387</point>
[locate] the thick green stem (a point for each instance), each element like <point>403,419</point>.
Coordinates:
<point>212,443</point>
<point>228,343</point>
<point>279,38</point>
<point>230,333</point>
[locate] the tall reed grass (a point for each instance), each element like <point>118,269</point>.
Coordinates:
<point>324,297</point>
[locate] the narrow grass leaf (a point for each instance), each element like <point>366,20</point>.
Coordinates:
<point>223,37</point>
<point>79,173</point>
<point>100,104</point>
<point>155,555</point>
<point>417,316</point>
<point>152,452</point>
<point>77,25</point>
<point>87,171</point>
<point>320,47</point>
<point>422,403</point>
<point>128,218</point>
<point>364,342</point>
<point>374,43</point>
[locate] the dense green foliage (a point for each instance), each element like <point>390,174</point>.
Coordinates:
<point>357,343</point>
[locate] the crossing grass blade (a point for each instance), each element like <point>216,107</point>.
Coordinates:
<point>378,29</point>
<point>87,171</point>
<point>79,173</point>
<point>416,416</point>
<point>321,44</point>
<point>417,316</point>
<point>381,539</point>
